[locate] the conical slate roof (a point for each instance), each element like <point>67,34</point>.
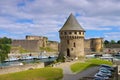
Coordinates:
<point>71,24</point>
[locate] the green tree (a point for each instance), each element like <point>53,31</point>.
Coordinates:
<point>112,42</point>
<point>4,48</point>
<point>106,42</point>
<point>5,40</point>
<point>118,42</point>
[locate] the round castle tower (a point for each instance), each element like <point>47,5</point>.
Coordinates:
<point>97,44</point>
<point>71,38</point>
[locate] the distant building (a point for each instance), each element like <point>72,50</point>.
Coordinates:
<point>72,42</point>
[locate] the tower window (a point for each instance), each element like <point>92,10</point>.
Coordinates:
<point>74,45</point>
<point>68,42</point>
<point>65,33</point>
<point>75,32</point>
<point>70,32</point>
<point>61,33</point>
<point>79,32</point>
<point>71,49</point>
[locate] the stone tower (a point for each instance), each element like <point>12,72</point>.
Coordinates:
<point>71,38</point>
<point>97,44</point>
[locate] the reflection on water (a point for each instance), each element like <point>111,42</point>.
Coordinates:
<point>14,63</point>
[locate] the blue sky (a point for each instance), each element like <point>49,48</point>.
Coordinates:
<point>18,18</point>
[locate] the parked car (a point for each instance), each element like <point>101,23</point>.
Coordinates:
<point>105,73</point>
<point>107,67</point>
<point>98,78</point>
<point>101,76</point>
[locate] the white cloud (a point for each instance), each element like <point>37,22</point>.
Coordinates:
<point>112,36</point>
<point>48,16</point>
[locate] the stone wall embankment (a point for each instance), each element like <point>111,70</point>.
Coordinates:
<point>12,69</point>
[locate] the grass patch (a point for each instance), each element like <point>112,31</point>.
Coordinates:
<point>19,49</point>
<point>36,74</point>
<point>47,49</point>
<point>99,61</point>
<point>80,66</point>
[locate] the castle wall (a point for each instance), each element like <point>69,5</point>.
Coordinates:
<point>33,44</point>
<point>53,45</point>
<point>90,45</point>
<point>87,46</point>
<point>30,45</point>
<point>34,37</point>
<point>93,45</point>
<point>12,69</point>
<point>87,43</point>
<point>41,38</point>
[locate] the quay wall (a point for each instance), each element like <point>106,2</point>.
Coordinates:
<point>12,69</point>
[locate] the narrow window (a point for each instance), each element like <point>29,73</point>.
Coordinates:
<point>67,41</point>
<point>71,49</point>
<point>80,33</point>
<point>74,44</point>
<point>61,33</point>
<point>75,32</point>
<point>65,33</point>
<point>70,32</point>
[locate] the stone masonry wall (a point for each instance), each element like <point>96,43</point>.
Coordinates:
<point>53,45</point>
<point>12,69</point>
<point>30,45</point>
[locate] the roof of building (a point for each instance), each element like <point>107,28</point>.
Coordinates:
<point>71,24</point>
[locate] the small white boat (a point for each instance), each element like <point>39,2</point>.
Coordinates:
<point>90,56</point>
<point>12,59</point>
<point>27,57</point>
<point>42,57</point>
<point>52,56</point>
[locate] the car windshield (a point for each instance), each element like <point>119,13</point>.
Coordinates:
<point>101,75</point>
<point>104,71</point>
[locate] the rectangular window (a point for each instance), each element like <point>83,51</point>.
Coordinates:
<point>79,32</point>
<point>68,42</point>
<point>61,33</point>
<point>74,45</point>
<point>70,32</point>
